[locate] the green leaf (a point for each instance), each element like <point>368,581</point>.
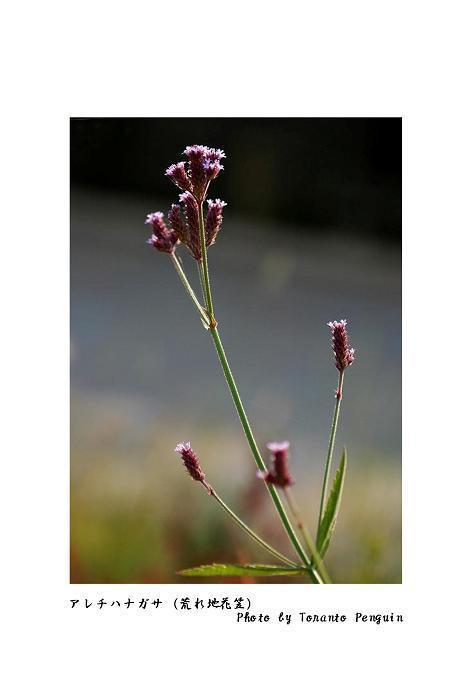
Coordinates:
<point>240,570</point>
<point>329,519</point>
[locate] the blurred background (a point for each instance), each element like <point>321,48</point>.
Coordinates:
<point>311,233</point>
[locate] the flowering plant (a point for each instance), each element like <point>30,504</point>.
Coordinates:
<point>196,228</point>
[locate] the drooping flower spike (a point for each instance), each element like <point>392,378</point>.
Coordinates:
<point>162,238</point>
<point>192,464</point>
<point>278,473</point>
<point>213,220</point>
<point>344,354</point>
<point>179,176</point>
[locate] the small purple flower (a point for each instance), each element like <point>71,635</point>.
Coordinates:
<point>162,238</point>
<point>192,464</point>
<point>212,164</point>
<point>278,473</point>
<point>213,220</point>
<point>191,210</point>
<point>204,166</point>
<point>215,154</point>
<point>196,153</point>
<point>344,354</point>
<point>177,173</point>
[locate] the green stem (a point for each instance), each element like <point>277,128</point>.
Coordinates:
<point>331,443</point>
<point>212,323</point>
<point>314,575</point>
<point>188,288</point>
<point>204,265</point>
<point>305,534</point>
<point>202,285</point>
<point>250,532</point>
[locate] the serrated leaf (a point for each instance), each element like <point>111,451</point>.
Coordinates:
<point>240,570</point>
<point>329,519</point>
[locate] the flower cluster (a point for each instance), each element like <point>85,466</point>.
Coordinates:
<point>278,473</point>
<point>186,223</point>
<point>193,177</point>
<point>344,354</point>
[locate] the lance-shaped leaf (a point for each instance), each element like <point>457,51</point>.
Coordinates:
<point>329,519</point>
<point>241,570</point>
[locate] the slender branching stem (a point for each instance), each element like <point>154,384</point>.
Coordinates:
<point>250,532</point>
<point>331,444</point>
<point>182,276</point>
<point>212,324</point>
<point>314,575</point>
<point>296,514</point>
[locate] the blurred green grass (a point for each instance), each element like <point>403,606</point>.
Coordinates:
<point>136,517</point>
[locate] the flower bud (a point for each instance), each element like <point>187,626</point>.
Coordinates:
<point>278,473</point>
<point>344,354</point>
<point>162,238</point>
<point>192,464</point>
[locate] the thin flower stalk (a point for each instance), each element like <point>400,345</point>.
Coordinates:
<point>192,464</point>
<point>182,276</point>
<point>253,534</point>
<point>344,356</point>
<point>331,445</point>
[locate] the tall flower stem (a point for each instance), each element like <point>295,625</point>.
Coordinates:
<point>212,325</point>
<point>331,444</point>
<point>295,512</point>
<point>250,532</point>
<point>313,573</point>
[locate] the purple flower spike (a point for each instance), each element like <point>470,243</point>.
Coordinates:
<point>344,354</point>
<point>178,223</point>
<point>178,175</point>
<point>213,220</point>
<point>197,156</point>
<point>278,474</point>
<point>192,464</point>
<point>162,238</point>
<point>191,210</point>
